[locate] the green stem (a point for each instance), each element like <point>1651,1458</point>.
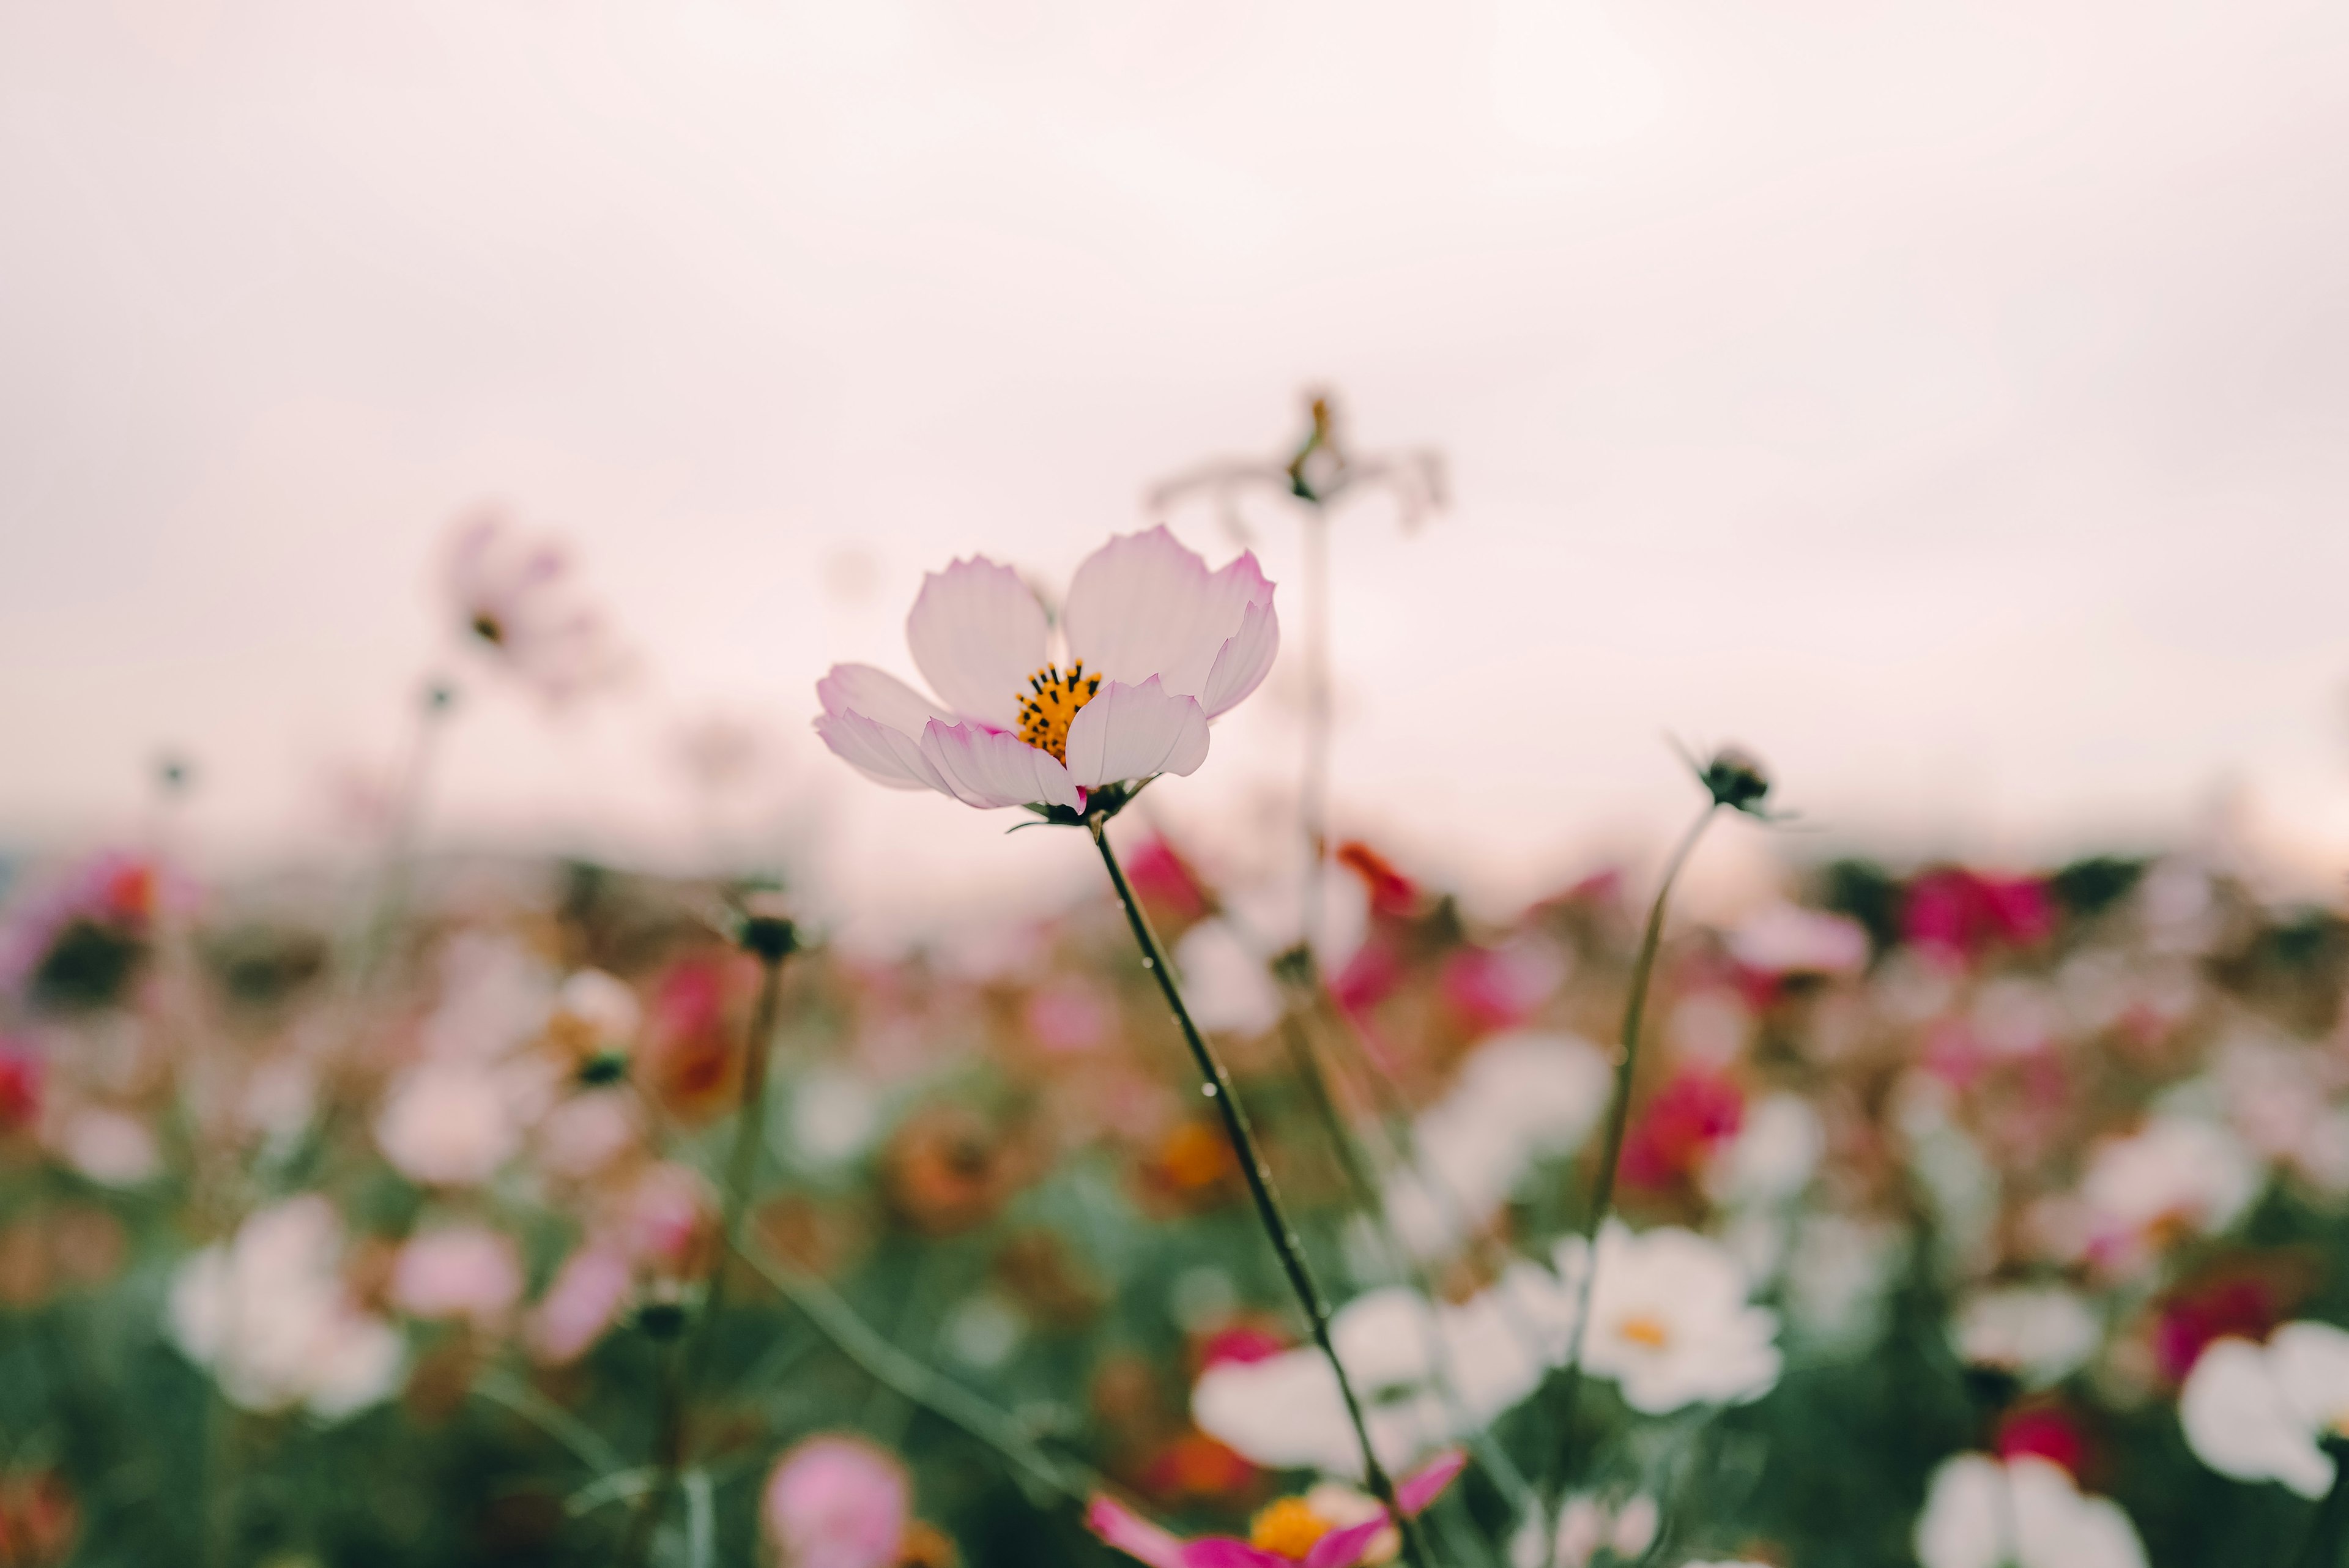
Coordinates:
<point>1217,1085</point>
<point>1619,1119</point>
<point>682,1375</point>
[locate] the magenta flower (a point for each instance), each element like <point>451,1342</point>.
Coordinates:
<point>1294,1532</point>
<point>1151,645</point>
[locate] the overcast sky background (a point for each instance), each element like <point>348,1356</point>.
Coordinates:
<point>1950,402</point>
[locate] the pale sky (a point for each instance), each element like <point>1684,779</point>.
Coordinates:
<point>1950,402</point>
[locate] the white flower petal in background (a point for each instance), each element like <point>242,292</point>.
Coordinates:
<point>2023,1514</point>
<point>267,1314</point>
<point>1669,1321</point>
<point>2041,1334</point>
<point>2175,1172</point>
<point>1777,1150</point>
<point>834,1118</point>
<point>1523,1096</point>
<point>2257,1412</point>
<point>1225,983</point>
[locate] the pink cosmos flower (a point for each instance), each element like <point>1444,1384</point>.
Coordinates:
<point>838,1502</point>
<point>585,1298</point>
<point>1294,1532</point>
<point>519,599</point>
<point>463,1271</point>
<point>1154,646</point>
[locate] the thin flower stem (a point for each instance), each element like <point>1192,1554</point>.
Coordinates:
<point>682,1375</point>
<point>1313,788</point>
<point>2328,1531</point>
<point>1216,1084</point>
<point>1619,1119</point>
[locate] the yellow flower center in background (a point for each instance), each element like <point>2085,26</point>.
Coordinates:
<point>1289,1529</point>
<point>1645,1330</point>
<point>1050,701</point>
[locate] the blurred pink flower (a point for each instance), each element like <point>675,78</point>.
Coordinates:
<point>838,1502</point>
<point>1958,912</point>
<point>1500,988</point>
<point>663,1214</point>
<point>586,1297</point>
<point>518,597</point>
<point>447,1124</point>
<point>1678,1130</point>
<point>1291,1531</point>
<point>458,1271</point>
<point>1070,1015</point>
<point>1170,646</point>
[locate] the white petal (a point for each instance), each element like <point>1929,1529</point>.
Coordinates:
<point>1244,660</point>
<point>2310,1363</point>
<point>1143,605</point>
<point>2237,1423</point>
<point>1135,732</point>
<point>977,634</point>
<point>1963,1522</point>
<point>884,755</point>
<point>985,769</point>
<point>879,696</point>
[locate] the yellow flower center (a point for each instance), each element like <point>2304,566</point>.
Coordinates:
<point>1645,1330</point>
<point>1050,701</point>
<point>1289,1529</point>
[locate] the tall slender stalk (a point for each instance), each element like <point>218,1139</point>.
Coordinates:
<point>772,940</point>
<point>1619,1118</point>
<point>1313,787</point>
<point>1217,1085</point>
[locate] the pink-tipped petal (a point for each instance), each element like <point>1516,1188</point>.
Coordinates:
<point>1144,604</point>
<point>987,769</point>
<point>879,696</point>
<point>884,755</point>
<point>1344,1548</point>
<point>1244,660</point>
<point>977,634</point>
<point>1425,1484</point>
<point>1123,1530</point>
<point>1135,732</point>
<point>1223,1552</point>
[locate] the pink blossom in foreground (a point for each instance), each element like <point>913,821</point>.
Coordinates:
<point>1151,645</point>
<point>1292,1531</point>
<point>838,1502</point>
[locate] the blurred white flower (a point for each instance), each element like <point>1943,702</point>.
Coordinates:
<point>834,1116</point>
<point>109,1147</point>
<point>2041,1335</point>
<point>2177,1175</point>
<point>465,1270</point>
<point>983,1330</point>
<point>1170,645</point>
<point>1587,1524</point>
<point>1787,938</point>
<point>268,1315</point>
<point>1839,1278</point>
<point>1522,1096</point>
<point>2257,1412</point>
<point>2023,1514</point>
<point>1224,982</point>
<point>1777,1149</point>
<point>2275,1099</point>
<point>1669,1322</point>
<point>1428,1374</point>
<point>447,1124</point>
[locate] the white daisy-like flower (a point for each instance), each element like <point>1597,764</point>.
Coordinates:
<point>2040,1333</point>
<point>2023,1514</point>
<point>2261,1412</point>
<point>1787,938</point>
<point>1150,646</point>
<point>1669,1321</point>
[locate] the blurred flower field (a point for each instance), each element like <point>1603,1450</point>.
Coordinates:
<point>506,1212</point>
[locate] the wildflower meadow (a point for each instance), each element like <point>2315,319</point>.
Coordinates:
<point>461,1209</point>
